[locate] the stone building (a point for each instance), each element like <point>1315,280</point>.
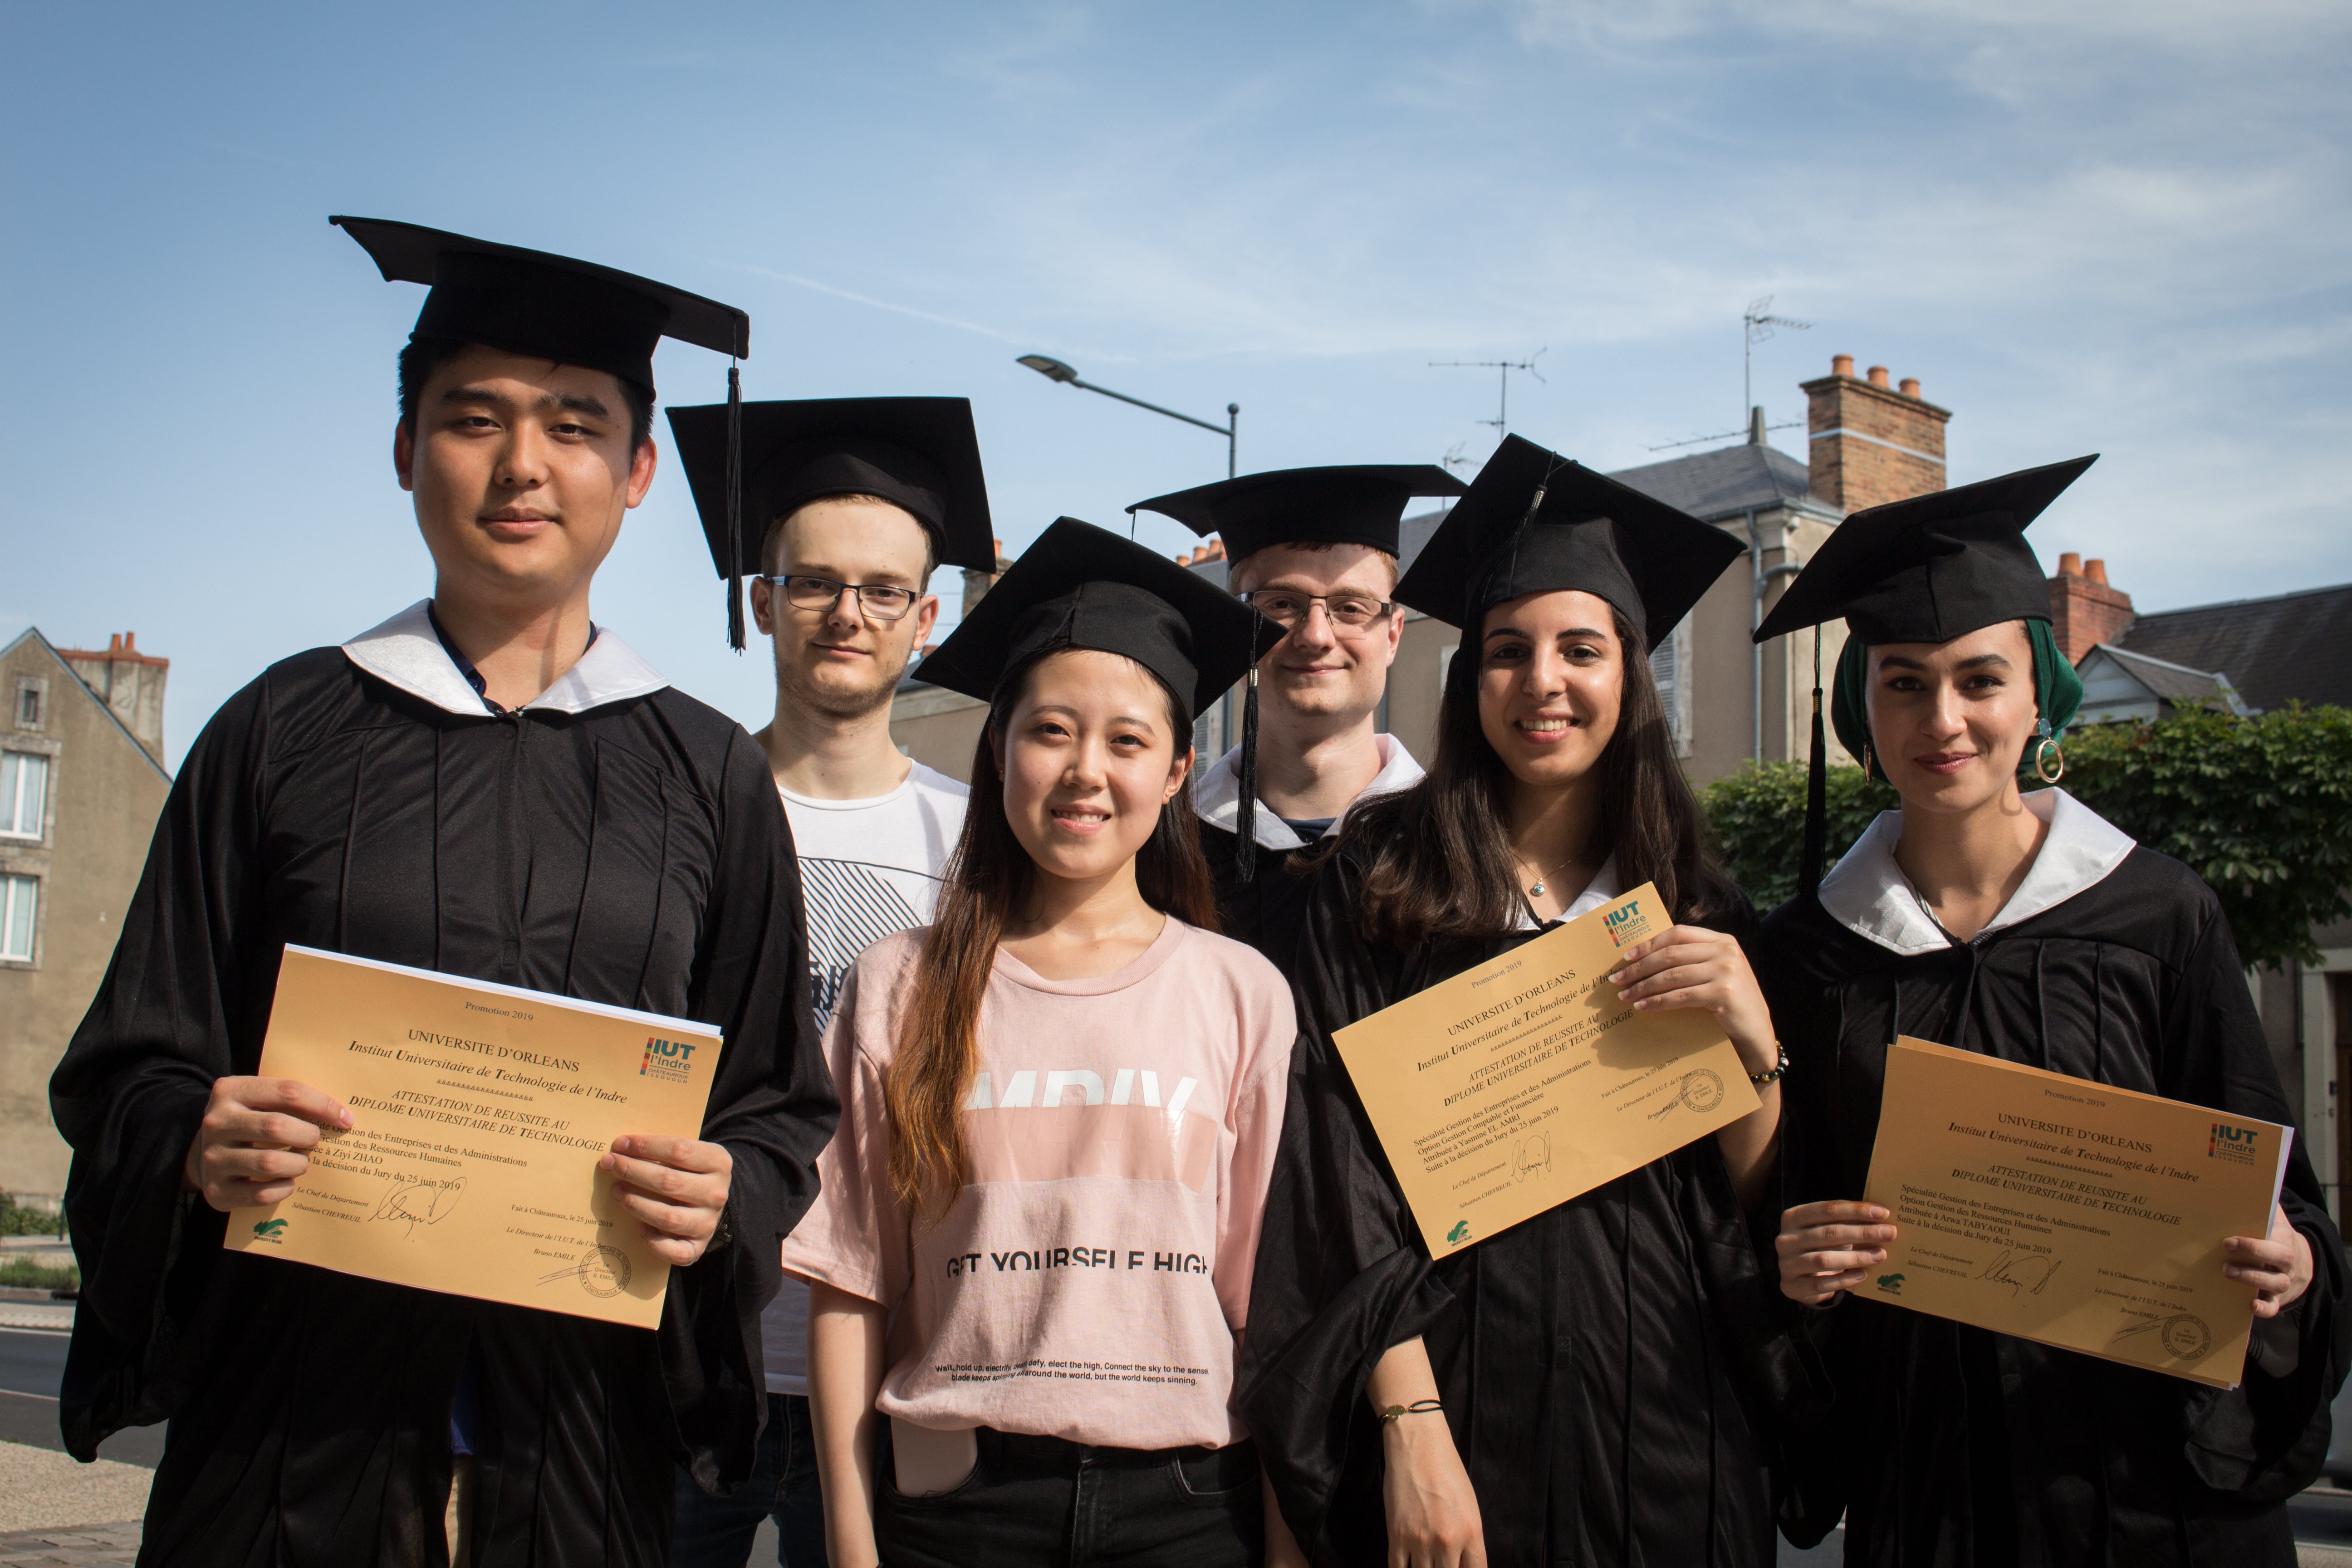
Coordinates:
<point>1869,440</point>
<point>81,784</point>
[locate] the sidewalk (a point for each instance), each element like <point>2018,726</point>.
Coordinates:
<point>54,1509</point>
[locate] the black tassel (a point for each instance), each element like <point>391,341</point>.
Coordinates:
<point>1245,818</point>
<point>1817,792</point>
<point>734,509</point>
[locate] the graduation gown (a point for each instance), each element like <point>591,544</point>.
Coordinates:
<point>1608,1368</point>
<point>1269,908</point>
<point>1956,1446</point>
<point>615,840</point>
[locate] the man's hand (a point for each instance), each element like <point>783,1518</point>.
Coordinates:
<point>2280,1267</point>
<point>254,1142</point>
<point>676,1187</point>
<point>1830,1247</point>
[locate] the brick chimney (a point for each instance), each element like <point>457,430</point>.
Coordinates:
<point>129,682</point>
<point>976,583</point>
<point>1871,442</point>
<point>2083,610</point>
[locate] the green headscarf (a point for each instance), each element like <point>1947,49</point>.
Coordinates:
<point>2057,690</point>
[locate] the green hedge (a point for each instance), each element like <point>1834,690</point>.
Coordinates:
<point>17,1220</point>
<point>2259,807</point>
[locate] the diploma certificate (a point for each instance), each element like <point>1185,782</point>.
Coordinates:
<point>2069,1211</point>
<point>478,1113</point>
<point>1516,1086</point>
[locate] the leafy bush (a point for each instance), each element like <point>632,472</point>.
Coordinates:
<point>2259,807</point>
<point>27,1274</point>
<point>1759,817</point>
<point>17,1220</point>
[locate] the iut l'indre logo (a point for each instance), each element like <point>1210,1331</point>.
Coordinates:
<point>2235,1144</point>
<point>669,1059</point>
<point>1625,925</point>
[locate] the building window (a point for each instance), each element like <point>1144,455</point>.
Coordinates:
<point>23,791</point>
<point>31,691</point>
<point>19,902</point>
<point>1670,666</point>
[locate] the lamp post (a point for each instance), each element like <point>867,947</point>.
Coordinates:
<point>1054,370</point>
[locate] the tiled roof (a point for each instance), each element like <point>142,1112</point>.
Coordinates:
<point>2291,648</point>
<point>1724,483</point>
<point>2160,677</point>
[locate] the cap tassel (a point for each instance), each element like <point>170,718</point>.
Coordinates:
<point>734,508</point>
<point>1817,792</point>
<point>1245,819</point>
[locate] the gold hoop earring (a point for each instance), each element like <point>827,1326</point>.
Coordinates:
<point>2041,755</point>
<point>1865,759</point>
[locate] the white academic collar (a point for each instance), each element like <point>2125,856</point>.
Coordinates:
<point>1604,889</point>
<point>406,652</point>
<point>1867,893</point>
<point>1217,793</point>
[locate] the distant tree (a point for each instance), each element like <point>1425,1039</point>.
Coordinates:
<point>2259,807</point>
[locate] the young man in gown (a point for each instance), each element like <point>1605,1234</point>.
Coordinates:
<point>2023,926</point>
<point>1315,551</point>
<point>489,785</point>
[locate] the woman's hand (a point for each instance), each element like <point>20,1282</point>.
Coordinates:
<point>1432,1514</point>
<point>1828,1248</point>
<point>2280,1268</point>
<point>1690,966</point>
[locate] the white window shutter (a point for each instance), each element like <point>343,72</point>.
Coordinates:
<point>1670,666</point>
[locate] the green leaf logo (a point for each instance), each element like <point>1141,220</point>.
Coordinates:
<point>1460,1233</point>
<point>267,1229</point>
<point>1891,1283</point>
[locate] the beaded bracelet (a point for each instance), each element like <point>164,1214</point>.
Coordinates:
<point>1777,1068</point>
<point>1418,1407</point>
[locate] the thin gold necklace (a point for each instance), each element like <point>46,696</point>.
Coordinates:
<point>1537,890</point>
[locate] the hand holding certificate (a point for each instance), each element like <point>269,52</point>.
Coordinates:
<point>1527,1080</point>
<point>494,1135</point>
<point>2073,1213</point>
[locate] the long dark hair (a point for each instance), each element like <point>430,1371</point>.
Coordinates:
<point>986,879</point>
<point>1438,866</point>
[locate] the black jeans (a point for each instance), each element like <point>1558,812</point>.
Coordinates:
<point>718,1531</point>
<point>1042,1502</point>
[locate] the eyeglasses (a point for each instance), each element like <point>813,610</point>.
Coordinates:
<point>1287,607</point>
<point>876,600</point>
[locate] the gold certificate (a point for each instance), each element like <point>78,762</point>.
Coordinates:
<point>1516,1086</point>
<point>2069,1211</point>
<point>478,1113</point>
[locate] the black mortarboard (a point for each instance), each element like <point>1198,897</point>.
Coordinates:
<point>1361,504</point>
<point>552,307</point>
<point>1536,523</point>
<point>1932,567</point>
<point>919,453</point>
<point>1085,587</point>
<point>1926,569</point>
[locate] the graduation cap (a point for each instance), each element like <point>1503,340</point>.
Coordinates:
<point>1536,523</point>
<point>1926,569</point>
<point>1359,504</point>
<point>1085,587</point>
<point>555,308</point>
<point>919,453</point>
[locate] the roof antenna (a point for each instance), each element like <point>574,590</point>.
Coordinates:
<point>1501,420</point>
<point>1756,326</point>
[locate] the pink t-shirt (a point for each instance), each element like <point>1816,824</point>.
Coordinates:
<point>1087,1281</point>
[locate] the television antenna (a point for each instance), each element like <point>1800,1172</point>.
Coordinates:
<point>1453,458</point>
<point>1757,323</point>
<point>1501,422</point>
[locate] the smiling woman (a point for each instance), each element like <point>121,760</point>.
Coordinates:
<point>1062,1101</point>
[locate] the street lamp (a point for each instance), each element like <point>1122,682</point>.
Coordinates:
<point>1054,370</point>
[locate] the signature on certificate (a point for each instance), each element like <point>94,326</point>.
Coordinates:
<point>1534,1155</point>
<point>420,1199</point>
<point>2026,1271</point>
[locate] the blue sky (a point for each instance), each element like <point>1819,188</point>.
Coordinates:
<point>2118,225</point>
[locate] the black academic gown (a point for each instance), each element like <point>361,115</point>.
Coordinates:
<point>635,854</point>
<point>1962,1448</point>
<point>1266,911</point>
<point>1609,1368</point>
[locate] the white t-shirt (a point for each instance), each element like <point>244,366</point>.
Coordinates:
<point>869,869</point>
